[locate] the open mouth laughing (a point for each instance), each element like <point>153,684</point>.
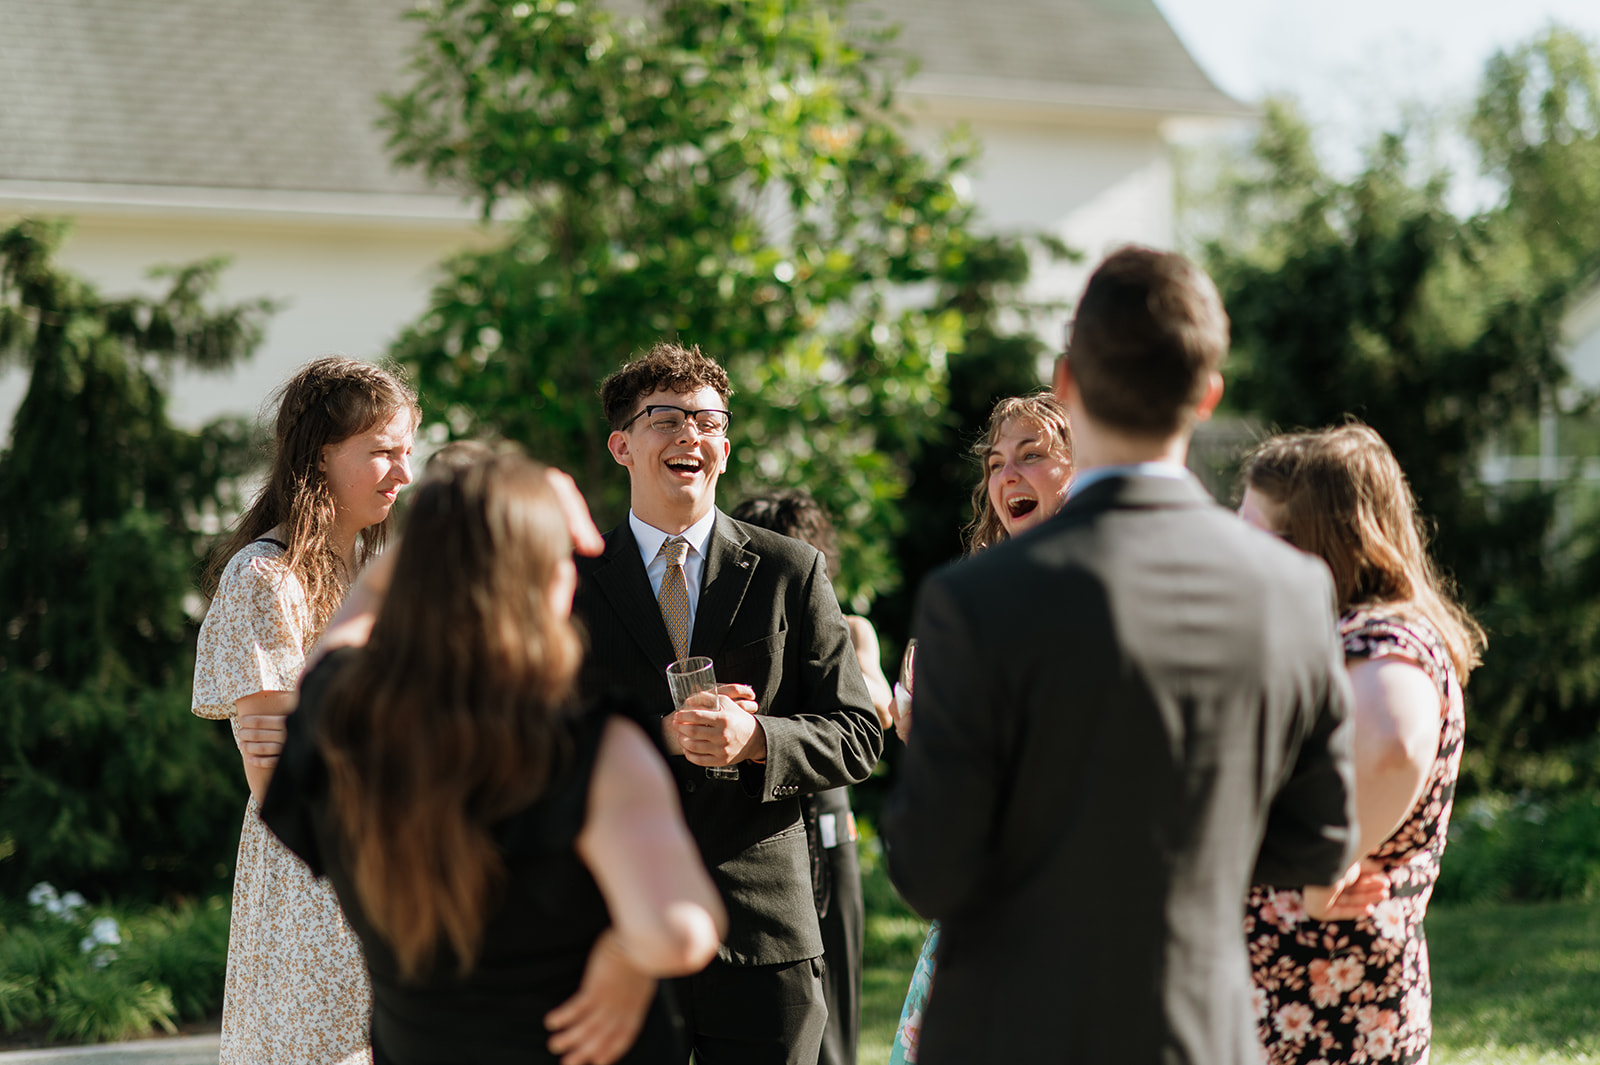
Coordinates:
<point>1021,505</point>
<point>685,464</point>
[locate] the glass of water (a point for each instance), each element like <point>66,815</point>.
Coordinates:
<point>690,676</point>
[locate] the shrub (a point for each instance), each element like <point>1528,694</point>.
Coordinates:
<point>1523,848</point>
<point>118,790</point>
<point>106,781</point>
<point>86,974</point>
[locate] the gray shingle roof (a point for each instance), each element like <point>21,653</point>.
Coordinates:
<point>281,94</point>
<point>260,94</point>
<point>1110,53</point>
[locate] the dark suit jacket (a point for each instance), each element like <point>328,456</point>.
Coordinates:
<point>1117,713</point>
<point>768,618</point>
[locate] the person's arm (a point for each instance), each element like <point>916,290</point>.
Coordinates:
<point>865,641</point>
<point>1397,718</point>
<point>1311,834</point>
<point>826,734</point>
<point>667,918</point>
<point>1397,723</point>
<point>262,716</point>
<point>938,824</point>
<point>261,734</point>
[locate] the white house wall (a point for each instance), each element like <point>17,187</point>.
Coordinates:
<point>346,287</point>
<point>349,284</point>
<point>1580,335</point>
<point>1095,188</point>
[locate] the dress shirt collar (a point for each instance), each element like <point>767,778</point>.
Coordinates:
<point>650,538</point>
<point>1172,471</point>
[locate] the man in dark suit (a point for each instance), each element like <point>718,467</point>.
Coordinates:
<point>1120,716</point>
<point>681,578</point>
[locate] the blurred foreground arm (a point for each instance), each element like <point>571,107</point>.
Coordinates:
<point>667,918</point>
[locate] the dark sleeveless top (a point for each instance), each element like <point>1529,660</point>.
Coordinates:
<point>534,946</point>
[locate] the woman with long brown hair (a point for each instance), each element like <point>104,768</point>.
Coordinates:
<point>1356,987</point>
<point>507,857</point>
<point>1026,458</point>
<point>296,988</point>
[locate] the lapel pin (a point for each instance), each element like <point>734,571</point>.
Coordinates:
<point>744,563</point>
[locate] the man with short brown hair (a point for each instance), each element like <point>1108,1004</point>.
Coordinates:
<point>792,717</point>
<point>1123,716</point>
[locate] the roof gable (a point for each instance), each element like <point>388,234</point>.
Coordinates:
<point>1115,52</point>
<point>282,94</point>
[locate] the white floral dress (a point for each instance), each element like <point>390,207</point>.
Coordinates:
<point>296,990</point>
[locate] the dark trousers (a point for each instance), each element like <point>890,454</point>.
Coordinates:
<point>754,1014</point>
<point>836,881</point>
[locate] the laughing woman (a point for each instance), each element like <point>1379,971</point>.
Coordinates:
<point>296,987</point>
<point>1026,453</point>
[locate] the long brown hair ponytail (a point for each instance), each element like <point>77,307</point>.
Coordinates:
<point>450,718</point>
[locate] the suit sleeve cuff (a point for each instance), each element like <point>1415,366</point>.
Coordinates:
<point>775,780</point>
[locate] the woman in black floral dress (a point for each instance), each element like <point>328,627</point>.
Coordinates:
<point>1357,989</point>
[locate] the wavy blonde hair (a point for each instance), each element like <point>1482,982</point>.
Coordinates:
<point>450,718</point>
<point>1038,408</point>
<point>1347,501</point>
<point>329,400</point>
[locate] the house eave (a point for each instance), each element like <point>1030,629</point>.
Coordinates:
<point>321,207</point>
<point>1065,103</point>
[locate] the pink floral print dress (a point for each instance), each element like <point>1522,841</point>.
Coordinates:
<point>1359,991</point>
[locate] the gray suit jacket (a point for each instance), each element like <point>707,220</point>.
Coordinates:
<point>768,618</point>
<point>1121,717</point>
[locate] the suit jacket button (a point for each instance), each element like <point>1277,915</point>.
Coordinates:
<point>690,785</point>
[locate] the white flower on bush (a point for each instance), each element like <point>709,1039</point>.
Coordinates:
<point>103,932</point>
<point>43,895</point>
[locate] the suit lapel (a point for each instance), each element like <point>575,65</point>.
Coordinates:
<point>626,586</point>
<point>729,567</point>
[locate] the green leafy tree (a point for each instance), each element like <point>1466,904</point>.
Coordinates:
<point>728,174</point>
<point>1537,128</point>
<point>1369,298</point>
<point>106,782</point>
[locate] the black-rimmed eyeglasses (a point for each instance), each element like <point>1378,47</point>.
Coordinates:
<point>669,420</point>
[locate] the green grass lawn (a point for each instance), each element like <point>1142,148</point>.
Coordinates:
<point>1513,983</point>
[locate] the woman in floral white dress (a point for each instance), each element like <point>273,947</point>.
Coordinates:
<point>1026,452</point>
<point>1355,987</point>
<point>296,991</point>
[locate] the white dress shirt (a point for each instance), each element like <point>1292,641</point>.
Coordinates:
<point>1170,470</point>
<point>650,540</point>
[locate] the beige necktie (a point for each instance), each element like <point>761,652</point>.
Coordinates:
<point>674,597</point>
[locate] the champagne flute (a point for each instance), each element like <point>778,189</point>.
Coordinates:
<point>690,676</point>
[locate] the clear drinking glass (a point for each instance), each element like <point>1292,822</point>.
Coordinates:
<point>690,676</point>
<point>902,689</point>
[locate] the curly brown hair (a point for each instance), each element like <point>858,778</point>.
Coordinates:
<point>329,400</point>
<point>665,365</point>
